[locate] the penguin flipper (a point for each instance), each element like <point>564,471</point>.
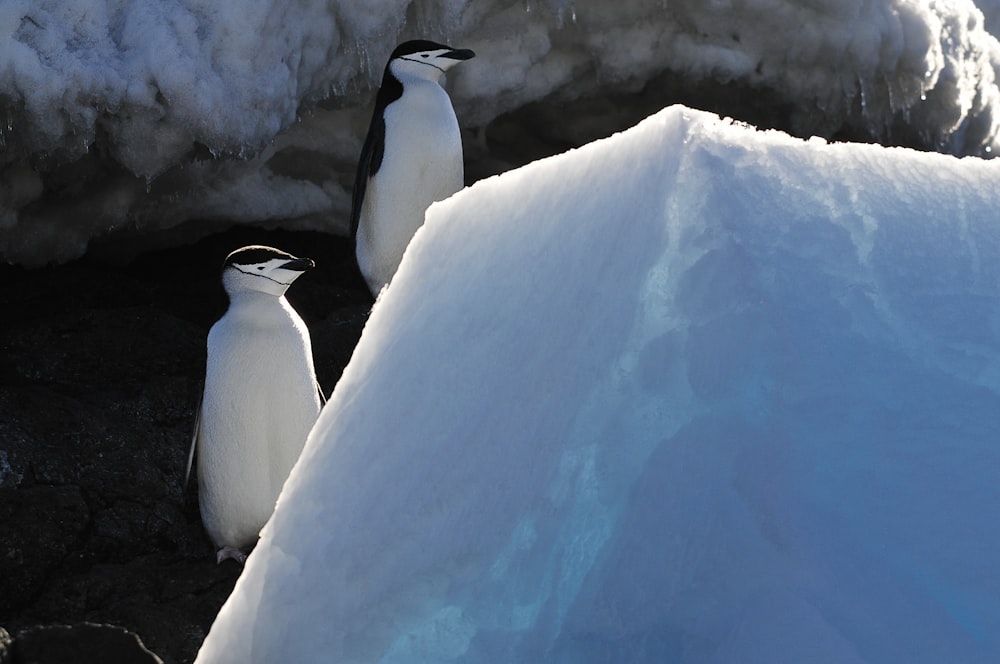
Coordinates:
<point>194,445</point>
<point>368,165</point>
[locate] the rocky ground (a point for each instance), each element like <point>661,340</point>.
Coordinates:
<point>101,365</point>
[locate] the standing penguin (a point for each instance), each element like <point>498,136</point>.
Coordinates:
<point>412,157</point>
<point>260,401</point>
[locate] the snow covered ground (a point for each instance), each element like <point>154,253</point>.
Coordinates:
<point>132,117</point>
<point>694,393</point>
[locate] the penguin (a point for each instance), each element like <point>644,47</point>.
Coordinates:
<point>412,157</point>
<point>260,400</point>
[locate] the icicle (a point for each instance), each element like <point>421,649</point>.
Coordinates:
<point>562,9</point>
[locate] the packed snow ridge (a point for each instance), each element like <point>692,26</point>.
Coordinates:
<point>692,393</point>
<point>133,117</point>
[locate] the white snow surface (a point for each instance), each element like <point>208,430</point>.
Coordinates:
<point>192,109</point>
<point>692,393</point>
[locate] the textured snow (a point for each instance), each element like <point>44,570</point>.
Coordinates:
<point>693,393</point>
<point>134,117</point>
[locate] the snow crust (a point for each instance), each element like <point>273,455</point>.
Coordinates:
<point>134,117</point>
<point>692,393</point>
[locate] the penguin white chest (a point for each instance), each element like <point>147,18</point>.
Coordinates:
<point>259,404</point>
<point>422,163</point>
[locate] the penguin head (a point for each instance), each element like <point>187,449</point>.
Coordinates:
<point>425,59</point>
<point>262,269</point>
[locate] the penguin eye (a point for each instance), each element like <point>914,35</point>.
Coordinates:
<point>260,267</point>
<point>425,55</point>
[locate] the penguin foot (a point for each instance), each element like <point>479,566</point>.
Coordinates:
<point>230,552</point>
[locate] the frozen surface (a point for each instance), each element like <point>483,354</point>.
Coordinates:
<point>693,393</point>
<point>133,117</point>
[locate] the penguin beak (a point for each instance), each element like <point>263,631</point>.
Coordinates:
<point>459,54</point>
<point>299,265</point>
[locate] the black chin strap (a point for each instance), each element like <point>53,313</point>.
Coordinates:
<point>424,62</point>
<point>258,274</point>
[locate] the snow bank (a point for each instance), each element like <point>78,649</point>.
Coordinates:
<point>693,393</point>
<point>132,117</point>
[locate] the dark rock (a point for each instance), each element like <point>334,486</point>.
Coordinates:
<point>83,644</point>
<point>39,529</point>
<point>101,368</point>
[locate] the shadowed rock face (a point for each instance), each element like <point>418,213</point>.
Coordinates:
<point>101,367</point>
